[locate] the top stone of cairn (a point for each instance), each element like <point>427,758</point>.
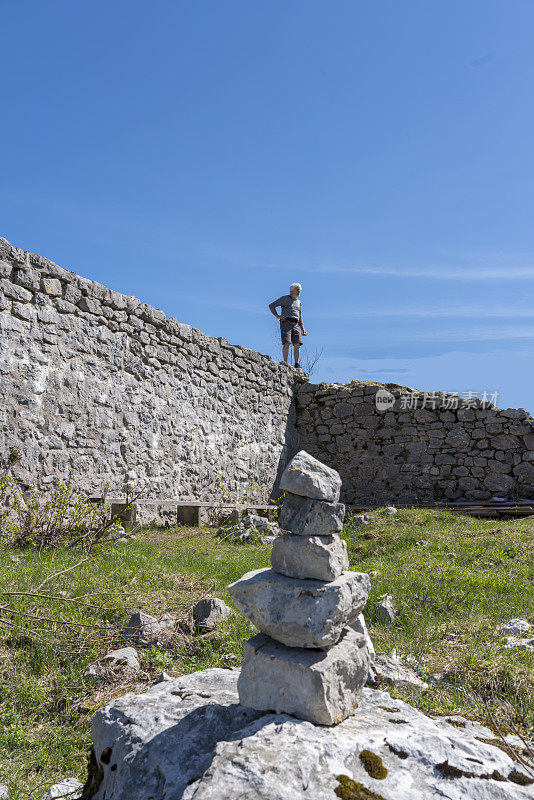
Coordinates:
<point>307,476</point>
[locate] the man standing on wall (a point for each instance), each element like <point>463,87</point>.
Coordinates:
<point>290,320</point>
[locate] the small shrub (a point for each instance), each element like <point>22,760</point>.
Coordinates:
<point>29,518</point>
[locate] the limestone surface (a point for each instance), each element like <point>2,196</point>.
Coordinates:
<point>190,739</point>
<point>300,613</point>
<point>306,517</point>
<point>316,685</point>
<point>307,476</point>
<point>321,557</point>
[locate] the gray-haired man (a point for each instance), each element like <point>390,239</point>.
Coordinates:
<point>290,320</point>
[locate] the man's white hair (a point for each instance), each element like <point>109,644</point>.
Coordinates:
<point>295,286</point>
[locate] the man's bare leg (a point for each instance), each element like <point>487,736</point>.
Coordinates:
<point>285,352</point>
<point>296,350</point>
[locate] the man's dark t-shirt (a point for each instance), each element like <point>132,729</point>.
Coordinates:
<point>291,308</point>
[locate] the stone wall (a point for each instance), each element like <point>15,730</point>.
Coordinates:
<point>419,446</point>
<point>99,383</point>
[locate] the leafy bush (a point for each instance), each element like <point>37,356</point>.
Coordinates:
<point>31,519</point>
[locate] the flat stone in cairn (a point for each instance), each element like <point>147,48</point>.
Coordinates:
<point>323,558</point>
<point>307,476</point>
<point>306,517</point>
<point>300,613</point>
<point>322,687</point>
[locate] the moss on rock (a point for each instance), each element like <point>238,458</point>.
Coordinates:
<point>373,765</point>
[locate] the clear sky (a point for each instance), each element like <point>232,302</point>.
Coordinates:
<point>204,155</point>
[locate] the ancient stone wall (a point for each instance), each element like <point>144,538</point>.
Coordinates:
<point>415,446</point>
<point>99,383</point>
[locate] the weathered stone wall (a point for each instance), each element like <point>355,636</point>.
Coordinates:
<point>99,383</point>
<point>442,448</point>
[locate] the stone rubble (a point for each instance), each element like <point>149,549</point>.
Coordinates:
<point>309,660</point>
<point>251,527</point>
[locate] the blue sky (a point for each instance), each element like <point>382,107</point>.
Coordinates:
<point>202,156</point>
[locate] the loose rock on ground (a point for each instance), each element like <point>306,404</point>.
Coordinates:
<point>117,665</point>
<point>209,613</point>
<point>70,789</point>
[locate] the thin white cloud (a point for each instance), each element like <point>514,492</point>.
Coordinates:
<point>433,273</point>
<point>450,312</point>
<point>396,334</point>
<point>472,266</point>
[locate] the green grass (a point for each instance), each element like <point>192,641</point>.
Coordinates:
<point>450,594</point>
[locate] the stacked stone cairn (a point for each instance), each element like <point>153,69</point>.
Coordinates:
<point>310,658</point>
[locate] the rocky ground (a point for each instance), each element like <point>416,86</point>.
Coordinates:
<point>189,738</point>
<point>453,581</point>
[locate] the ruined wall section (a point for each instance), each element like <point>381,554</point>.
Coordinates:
<point>100,383</point>
<point>435,450</point>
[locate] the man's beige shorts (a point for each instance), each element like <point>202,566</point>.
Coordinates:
<point>290,333</point>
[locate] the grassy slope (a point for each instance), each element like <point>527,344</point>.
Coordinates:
<point>451,593</point>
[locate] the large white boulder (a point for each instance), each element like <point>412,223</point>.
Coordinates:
<point>306,517</point>
<point>322,686</point>
<point>309,477</point>
<point>300,613</point>
<point>321,557</point>
<point>189,739</point>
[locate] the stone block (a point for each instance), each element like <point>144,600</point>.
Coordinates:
<point>28,277</point>
<point>322,558</point>
<point>300,613</point>
<point>306,517</point>
<point>321,687</point>
<point>89,305</point>
<point>525,473</point>
<point>52,287</point>
<point>307,476</point>
<point>15,292</point>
